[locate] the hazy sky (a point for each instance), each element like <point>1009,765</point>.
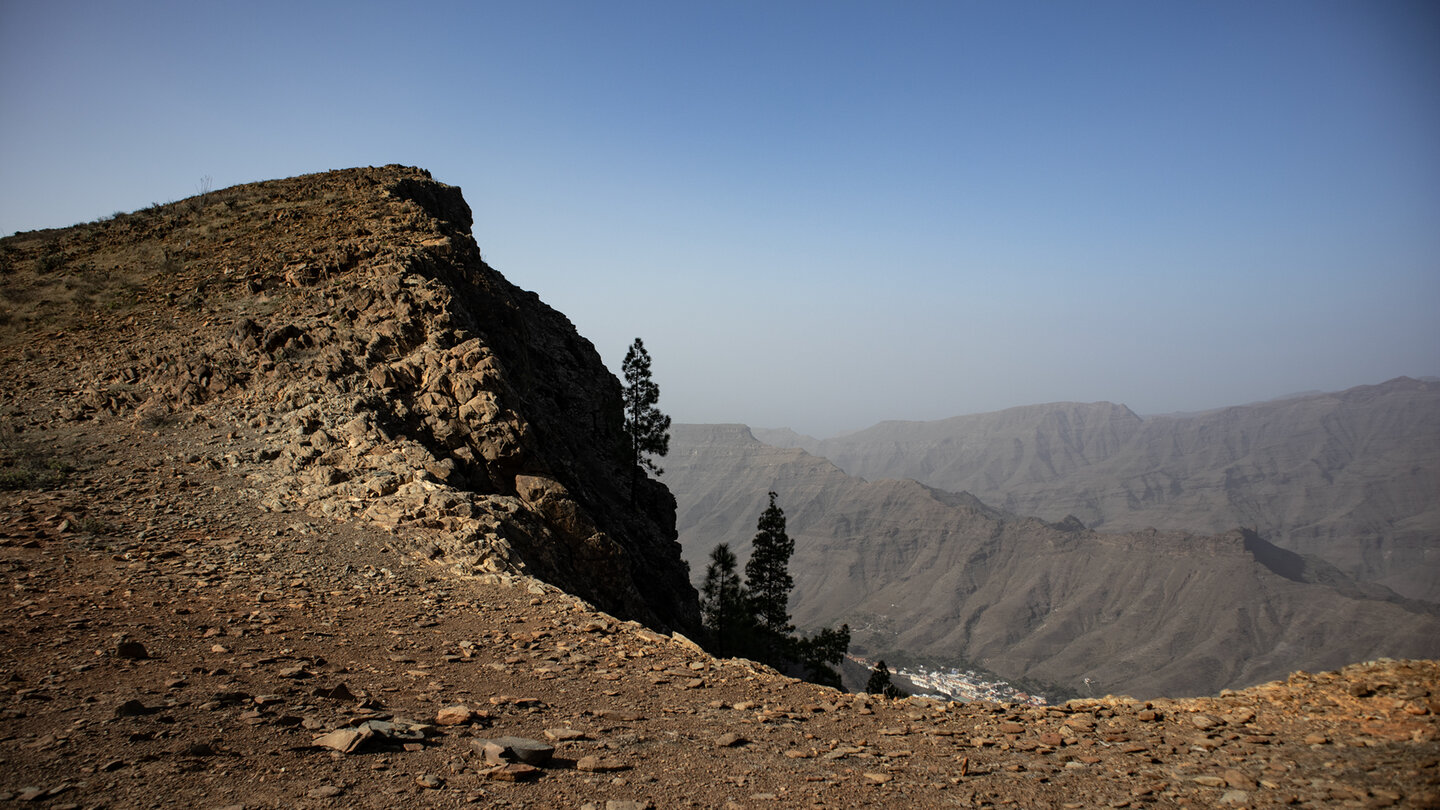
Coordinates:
<point>824,214</point>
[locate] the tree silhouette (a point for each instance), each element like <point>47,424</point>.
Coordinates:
<point>724,605</point>
<point>822,653</point>
<point>879,683</point>
<point>647,428</point>
<point>767,575</point>
<point>752,619</point>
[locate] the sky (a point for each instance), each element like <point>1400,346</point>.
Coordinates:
<point>820,215</point>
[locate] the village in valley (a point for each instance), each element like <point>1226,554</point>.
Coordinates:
<point>954,684</point>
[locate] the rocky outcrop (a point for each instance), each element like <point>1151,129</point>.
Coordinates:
<point>373,367</point>
<point>1350,476</point>
<point>940,577</point>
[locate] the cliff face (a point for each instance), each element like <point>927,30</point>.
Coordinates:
<point>345,333</point>
<point>943,577</point>
<point>1348,476</point>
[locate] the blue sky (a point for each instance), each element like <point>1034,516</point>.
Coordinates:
<point>824,214</point>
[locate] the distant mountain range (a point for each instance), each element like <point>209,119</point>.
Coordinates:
<point>1352,477</point>
<point>928,571</point>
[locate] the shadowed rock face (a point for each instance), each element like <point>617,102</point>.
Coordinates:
<point>1351,476</point>
<point>943,576</point>
<point>346,329</point>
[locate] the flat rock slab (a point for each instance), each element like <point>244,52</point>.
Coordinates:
<point>514,749</point>
<point>514,772</point>
<point>345,740</point>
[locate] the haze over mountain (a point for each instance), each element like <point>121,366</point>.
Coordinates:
<point>926,573</point>
<point>1352,476</point>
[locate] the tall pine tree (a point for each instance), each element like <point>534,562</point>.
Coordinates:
<point>647,428</point>
<point>767,575</point>
<point>724,605</point>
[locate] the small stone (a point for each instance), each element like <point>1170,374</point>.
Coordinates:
<point>337,692</point>
<point>430,781</point>
<point>133,650</point>
<point>132,708</point>
<point>1204,722</point>
<point>878,778</point>
<point>1316,739</point>
<point>454,715</point>
<point>730,740</point>
<point>1004,728</point>
<point>1238,780</point>
<point>565,734</point>
<point>514,772</point>
<point>1234,797</point>
<point>1239,716</point>
<point>618,715</point>
<point>1209,781</point>
<point>325,792</point>
<point>595,764</point>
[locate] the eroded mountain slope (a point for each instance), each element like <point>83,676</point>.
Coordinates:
<point>1350,476</point>
<point>944,577</point>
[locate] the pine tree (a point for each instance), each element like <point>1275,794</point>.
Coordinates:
<point>647,428</point>
<point>822,653</point>
<point>880,684</point>
<point>767,575</point>
<point>753,619</point>
<point>723,604</point>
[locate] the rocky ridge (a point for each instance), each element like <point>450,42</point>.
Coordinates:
<point>366,364</point>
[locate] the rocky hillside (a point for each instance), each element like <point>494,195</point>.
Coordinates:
<point>1350,477</point>
<point>924,573</point>
<point>362,363</point>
